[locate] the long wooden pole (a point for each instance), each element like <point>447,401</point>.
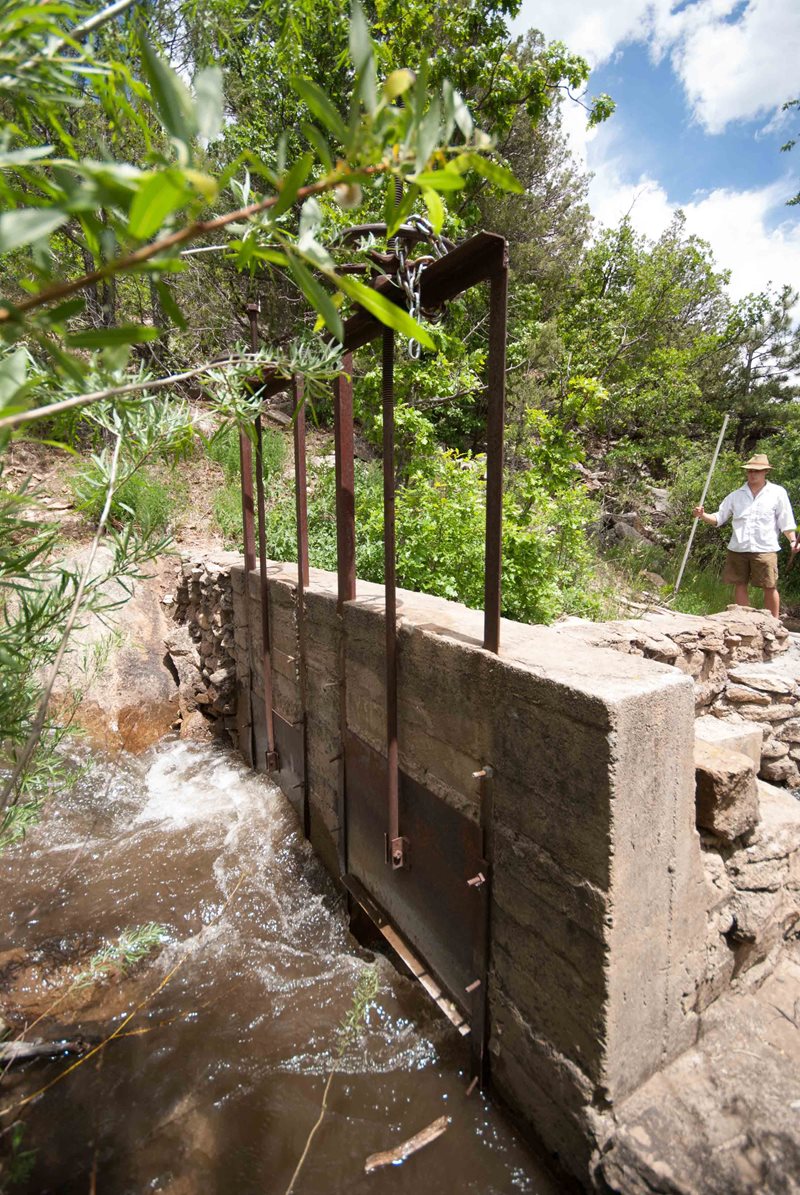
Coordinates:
<point>701,502</point>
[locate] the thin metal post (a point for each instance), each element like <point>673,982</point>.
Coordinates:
<point>396,844</point>
<point>246,465</point>
<point>301,508</point>
<point>300,482</point>
<point>346,564</point>
<point>271,760</point>
<point>482,887</point>
<point>498,304</point>
<point>345,482</point>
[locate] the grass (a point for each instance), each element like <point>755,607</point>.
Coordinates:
<point>223,449</point>
<point>149,499</point>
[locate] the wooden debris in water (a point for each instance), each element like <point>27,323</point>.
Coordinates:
<point>390,1157</point>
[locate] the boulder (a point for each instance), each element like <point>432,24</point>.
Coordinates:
<point>745,737</point>
<point>726,791</point>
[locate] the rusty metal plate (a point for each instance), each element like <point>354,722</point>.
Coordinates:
<point>430,901</point>
<point>290,745</point>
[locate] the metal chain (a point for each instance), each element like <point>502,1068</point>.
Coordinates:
<point>409,273</point>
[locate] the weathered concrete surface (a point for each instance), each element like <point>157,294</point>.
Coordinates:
<point>724,1118</point>
<point>599,897</point>
<point>727,795</point>
<point>612,931</point>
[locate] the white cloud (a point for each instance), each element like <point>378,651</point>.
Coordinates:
<point>733,70</point>
<point>751,233</point>
<point>734,63</point>
<point>593,28</point>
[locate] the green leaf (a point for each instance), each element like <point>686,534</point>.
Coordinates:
<point>158,198</point>
<point>170,95</point>
<point>440,180</point>
<point>21,157</point>
<point>387,312</point>
<point>171,308</point>
<point>209,102</point>
<point>101,338</point>
<point>319,103</point>
<point>397,84</point>
<point>429,133</point>
<point>316,138</point>
<point>291,184</point>
<point>497,174</point>
<point>394,214</point>
<point>317,296</point>
<point>64,311</point>
<point>13,370</point>
<point>462,115</point>
<point>435,209</point>
<point>360,40</point>
<point>24,225</point>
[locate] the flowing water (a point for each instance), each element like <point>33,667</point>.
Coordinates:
<point>214,1085</point>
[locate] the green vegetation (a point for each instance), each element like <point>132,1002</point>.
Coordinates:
<point>115,958</point>
<point>623,354</point>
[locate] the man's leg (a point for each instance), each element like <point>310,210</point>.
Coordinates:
<point>742,597</point>
<point>772,602</point>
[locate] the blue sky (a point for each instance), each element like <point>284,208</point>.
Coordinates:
<point>699,88</point>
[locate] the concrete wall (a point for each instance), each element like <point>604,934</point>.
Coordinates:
<point>599,900</point>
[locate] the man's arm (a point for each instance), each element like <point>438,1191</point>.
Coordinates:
<point>786,522</point>
<point>718,517</point>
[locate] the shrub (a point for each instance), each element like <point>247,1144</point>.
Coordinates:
<point>147,499</point>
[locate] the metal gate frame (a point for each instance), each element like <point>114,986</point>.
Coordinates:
<point>283,747</point>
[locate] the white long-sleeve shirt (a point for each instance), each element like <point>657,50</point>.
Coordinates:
<point>757,520</point>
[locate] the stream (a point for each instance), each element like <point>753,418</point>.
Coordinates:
<point>213,1086</point>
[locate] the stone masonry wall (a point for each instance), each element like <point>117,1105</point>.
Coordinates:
<point>722,654</point>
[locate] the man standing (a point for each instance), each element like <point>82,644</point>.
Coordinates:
<point>760,511</point>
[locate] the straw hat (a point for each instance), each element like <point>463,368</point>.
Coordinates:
<point>759,461</point>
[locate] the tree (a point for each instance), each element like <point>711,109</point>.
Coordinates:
<point>75,222</point>
<point>761,379</point>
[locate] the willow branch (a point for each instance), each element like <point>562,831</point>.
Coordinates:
<point>191,232</point>
<point>38,724</point>
<point>78,400</point>
<point>79,31</point>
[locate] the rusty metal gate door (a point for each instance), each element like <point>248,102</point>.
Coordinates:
<point>430,900</point>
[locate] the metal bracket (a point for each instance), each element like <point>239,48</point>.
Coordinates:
<point>397,853</point>
<point>273,763</point>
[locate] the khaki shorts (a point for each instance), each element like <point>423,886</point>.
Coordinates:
<point>751,568</point>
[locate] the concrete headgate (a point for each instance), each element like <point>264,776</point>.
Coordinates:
<point>515,821</point>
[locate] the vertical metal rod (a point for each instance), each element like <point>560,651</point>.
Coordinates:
<point>266,645</point>
<point>300,482</point>
<point>246,465</point>
<point>498,304</point>
<point>266,657</point>
<point>346,564</point>
<point>396,845</point>
<point>345,482</point>
<point>301,507</point>
<point>479,1021</point>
